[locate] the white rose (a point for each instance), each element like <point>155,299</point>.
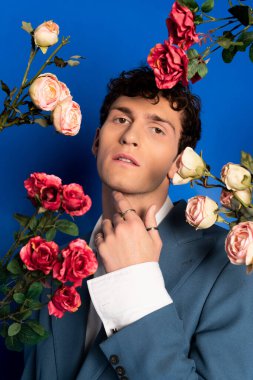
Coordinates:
<point>235,177</point>
<point>46,35</point>
<point>190,166</point>
<point>201,212</point>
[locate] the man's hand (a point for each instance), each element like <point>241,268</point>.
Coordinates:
<point>125,241</point>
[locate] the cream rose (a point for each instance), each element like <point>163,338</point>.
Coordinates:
<point>239,244</point>
<point>46,35</point>
<point>201,212</point>
<point>190,166</point>
<point>67,117</point>
<point>235,177</point>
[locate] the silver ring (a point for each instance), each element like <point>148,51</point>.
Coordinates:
<point>123,213</point>
<point>152,228</point>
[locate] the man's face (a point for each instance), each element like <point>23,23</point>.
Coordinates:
<point>137,145</point>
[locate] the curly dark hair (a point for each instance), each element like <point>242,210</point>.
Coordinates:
<point>141,82</point>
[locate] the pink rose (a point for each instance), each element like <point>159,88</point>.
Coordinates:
<point>201,212</point>
<point>169,64</point>
<point>67,117</point>
<point>64,91</point>
<point>79,262</point>
<point>239,244</point>
<point>232,199</point>
<point>74,201</point>
<point>46,91</point>
<point>65,299</point>
<point>181,27</point>
<point>46,35</point>
<point>39,254</point>
<point>45,188</point>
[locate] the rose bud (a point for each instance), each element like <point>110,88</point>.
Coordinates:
<point>170,65</point>
<point>65,299</point>
<point>244,196</point>
<point>201,212</point>
<point>190,166</point>
<point>46,91</point>
<point>39,254</point>
<point>235,177</point>
<point>239,244</point>
<point>45,189</point>
<point>46,35</point>
<point>79,262</point>
<point>181,27</point>
<point>74,201</point>
<point>67,117</point>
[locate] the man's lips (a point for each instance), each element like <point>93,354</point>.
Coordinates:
<point>128,159</point>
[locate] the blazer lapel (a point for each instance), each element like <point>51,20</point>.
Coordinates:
<point>183,248</point>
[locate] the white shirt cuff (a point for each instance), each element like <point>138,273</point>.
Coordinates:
<point>126,295</point>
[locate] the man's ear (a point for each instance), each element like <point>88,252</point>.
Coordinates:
<point>95,144</point>
<point>175,166</point>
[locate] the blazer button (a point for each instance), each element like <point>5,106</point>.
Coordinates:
<point>114,359</point>
<point>120,371</point>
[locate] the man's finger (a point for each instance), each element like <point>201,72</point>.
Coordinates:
<point>150,222</point>
<point>123,206</point>
<point>107,227</point>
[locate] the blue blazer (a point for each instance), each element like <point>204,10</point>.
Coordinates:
<point>207,333</point>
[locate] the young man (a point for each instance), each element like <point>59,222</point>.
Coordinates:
<point>165,302</point>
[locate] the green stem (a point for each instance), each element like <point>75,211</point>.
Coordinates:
<point>64,42</point>
<point>16,243</point>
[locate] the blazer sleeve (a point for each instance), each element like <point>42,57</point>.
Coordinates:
<point>220,347</point>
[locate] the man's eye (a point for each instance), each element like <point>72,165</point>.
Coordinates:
<point>121,120</point>
<point>158,131</point>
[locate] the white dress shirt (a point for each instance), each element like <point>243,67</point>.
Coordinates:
<point>125,295</point>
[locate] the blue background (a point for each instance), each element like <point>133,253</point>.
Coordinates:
<point>113,36</point>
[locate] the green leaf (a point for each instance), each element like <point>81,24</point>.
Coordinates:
<point>25,315</point>
<point>191,4</point>
<point>224,42</point>
<point>198,19</point>
<point>67,227</point>
<point>22,219</point>
<point>242,13</point>
<point>192,53</point>
<point>33,223</point>
<point>73,63</point>
<point>5,88</point>
<point>19,297</point>
<point>14,267</point>
<point>192,67</point>
<point>37,327</point>
<point>247,161</point>
<point>50,235</point>
<point>59,62</point>
<point>41,122</point>
<point>246,38</point>
<point>251,52</point>
<point>202,70</point>
<point>27,26</point>
<point>34,290</point>
<point>228,54</point>
<point>13,343</point>
<point>28,336</point>
<point>4,310</point>
<point>207,6</point>
<point>34,305</point>
<point>14,329</point>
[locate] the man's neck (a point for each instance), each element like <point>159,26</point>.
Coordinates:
<point>139,202</point>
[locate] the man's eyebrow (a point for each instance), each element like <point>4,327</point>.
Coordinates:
<point>155,117</point>
<point>125,110</point>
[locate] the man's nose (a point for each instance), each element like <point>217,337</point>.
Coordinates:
<point>131,135</point>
